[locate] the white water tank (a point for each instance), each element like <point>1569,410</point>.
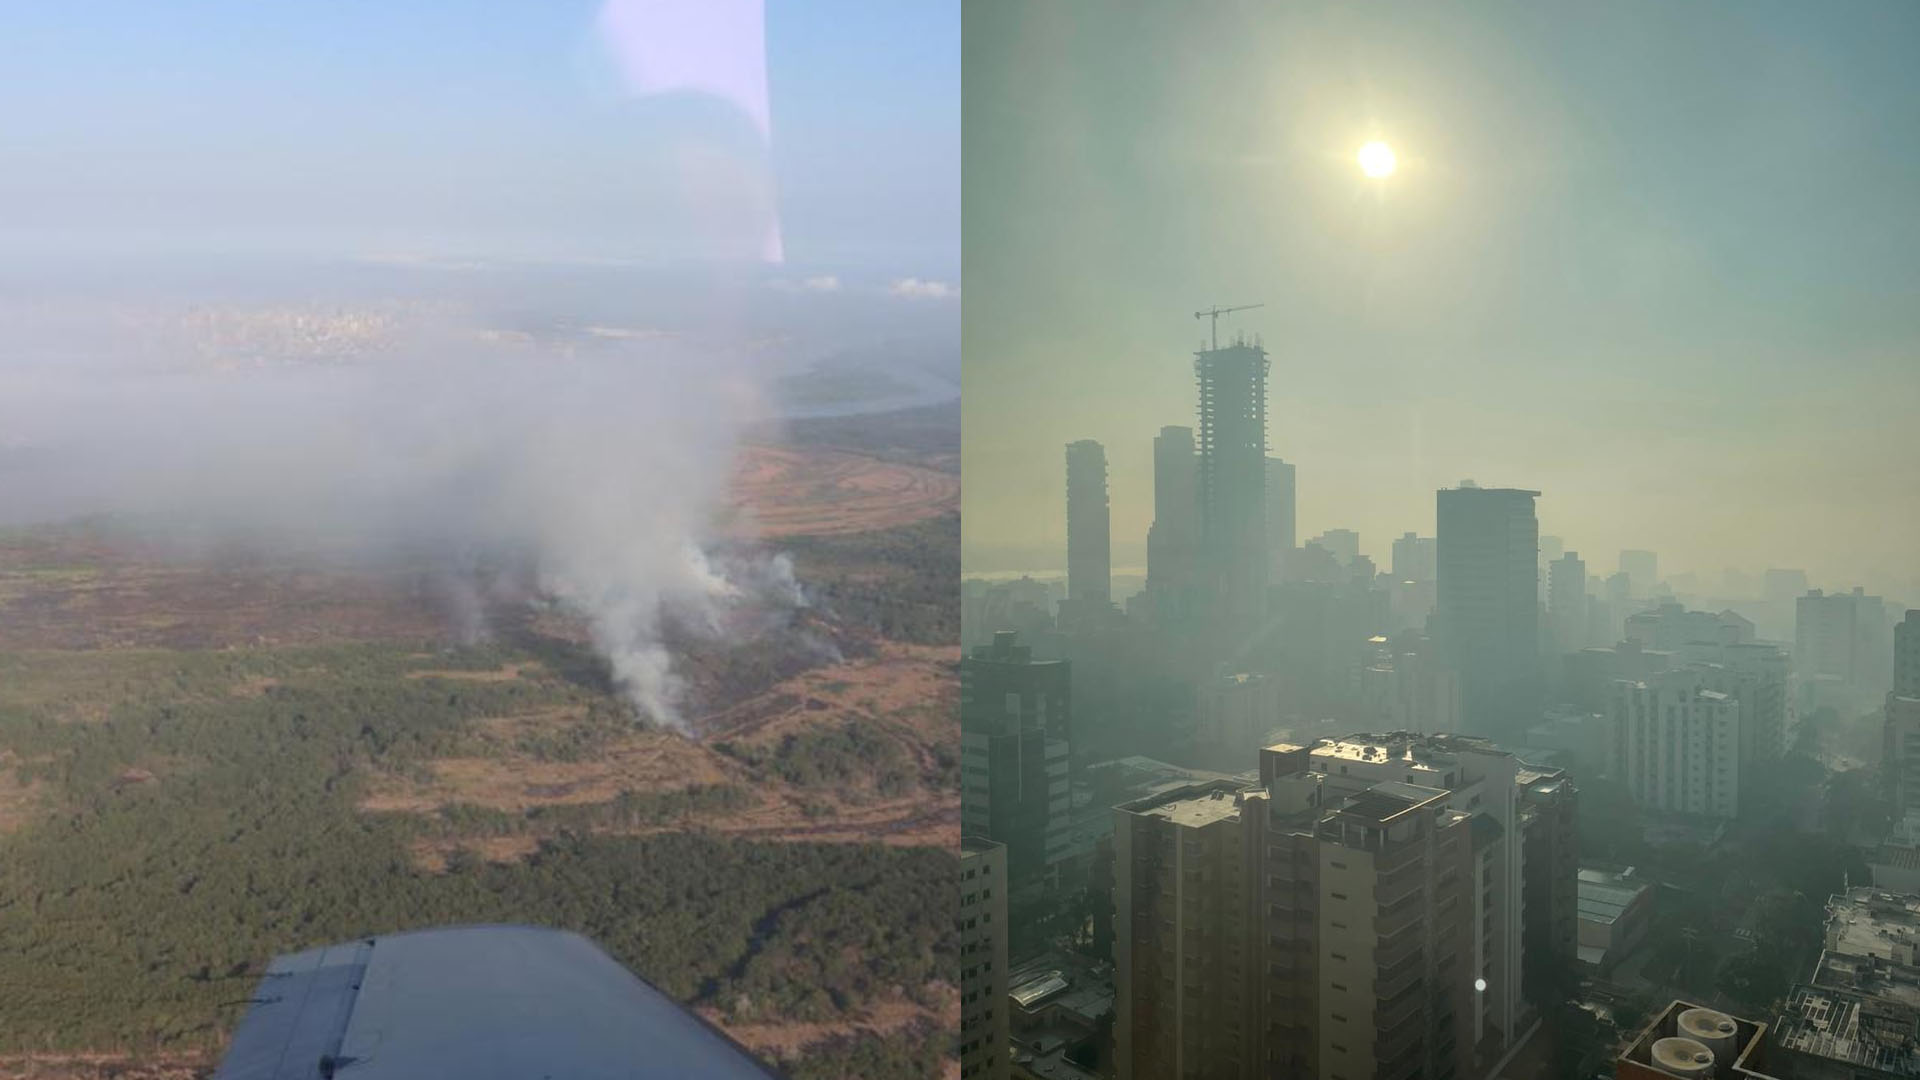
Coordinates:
<point>1714,1030</point>
<point>1683,1057</point>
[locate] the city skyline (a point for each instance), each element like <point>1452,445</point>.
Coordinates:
<point>1681,324</point>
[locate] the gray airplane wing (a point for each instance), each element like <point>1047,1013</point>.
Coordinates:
<point>473,1002</point>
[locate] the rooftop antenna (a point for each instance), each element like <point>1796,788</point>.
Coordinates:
<point>1214,314</point>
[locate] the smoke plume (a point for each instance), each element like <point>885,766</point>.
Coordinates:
<point>601,467</point>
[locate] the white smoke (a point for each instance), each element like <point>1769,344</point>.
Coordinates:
<point>603,468</point>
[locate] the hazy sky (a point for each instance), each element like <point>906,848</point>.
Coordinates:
<point>1656,260</point>
<point>482,128</point>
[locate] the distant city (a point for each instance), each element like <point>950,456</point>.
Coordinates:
<point>1271,809</point>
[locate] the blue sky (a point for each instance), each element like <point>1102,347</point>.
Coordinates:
<point>467,128</point>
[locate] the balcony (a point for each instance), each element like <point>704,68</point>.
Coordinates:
<point>1405,912</point>
<point>1403,1007</point>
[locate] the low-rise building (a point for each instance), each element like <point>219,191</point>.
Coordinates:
<point>1829,1034</point>
<point>1614,909</point>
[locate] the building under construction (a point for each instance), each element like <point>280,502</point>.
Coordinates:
<point>1232,447</point>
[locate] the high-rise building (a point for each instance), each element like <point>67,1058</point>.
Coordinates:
<point>1487,616</point>
<point>1490,784</point>
<point>1721,647</point>
<point>1232,436</point>
<point>1567,602</point>
<point>1755,675</point>
<point>1550,885</point>
<point>1366,898</point>
<point>1551,548</point>
<point>1366,910</point>
<point>1173,540</point>
<point>1411,589</point>
<point>1677,744</point>
<point>984,1013</point>
<point>1906,655</point>
<point>1785,585</point>
<point>1281,490</point>
<point>1642,569</point>
<point>1237,710</point>
<point>1901,753</point>
<point>1415,558</point>
<point>1015,758</point>
<point>1185,973</point>
<point>1343,543</point>
<point>1841,641</point>
<point>1089,540</point>
<point>1247,943</point>
<point>1404,687</point>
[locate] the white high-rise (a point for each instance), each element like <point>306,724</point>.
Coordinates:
<point>1677,743</point>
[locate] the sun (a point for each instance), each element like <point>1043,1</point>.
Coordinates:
<point>1377,160</point>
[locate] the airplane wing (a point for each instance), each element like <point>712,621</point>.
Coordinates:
<point>476,1003</point>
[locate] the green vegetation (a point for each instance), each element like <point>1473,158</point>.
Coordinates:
<point>920,1053</point>
<point>629,810</point>
<point>1740,917</point>
<point>928,435</point>
<point>896,582</point>
<point>207,820</point>
<point>855,754</point>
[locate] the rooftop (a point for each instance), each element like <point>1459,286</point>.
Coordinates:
<point>1843,1026</point>
<point>1605,895</point>
<point>1382,803</point>
<point>1063,983</point>
<point>1415,750</point>
<point>1871,943</point>
<point>1191,805</point>
<point>977,845</point>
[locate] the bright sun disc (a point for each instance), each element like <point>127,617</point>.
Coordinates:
<point>1377,160</point>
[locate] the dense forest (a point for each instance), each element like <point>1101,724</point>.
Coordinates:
<point>897,582</point>
<point>202,817</point>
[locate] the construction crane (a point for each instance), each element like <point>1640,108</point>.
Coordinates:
<point>1214,314</point>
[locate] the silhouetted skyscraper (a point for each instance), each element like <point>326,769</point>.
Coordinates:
<point>1642,569</point>
<point>1281,535</point>
<point>1567,602</point>
<point>1906,655</point>
<point>1551,548</point>
<point>1233,483</point>
<point>1900,756</point>
<point>1414,558</point>
<point>1488,613</point>
<point>1089,539</point>
<point>1344,543</point>
<point>1173,540</point>
<point>1841,648</point>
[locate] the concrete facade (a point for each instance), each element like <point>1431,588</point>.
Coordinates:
<point>984,1014</point>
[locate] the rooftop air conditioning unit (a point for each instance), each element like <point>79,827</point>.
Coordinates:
<point>1683,1057</point>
